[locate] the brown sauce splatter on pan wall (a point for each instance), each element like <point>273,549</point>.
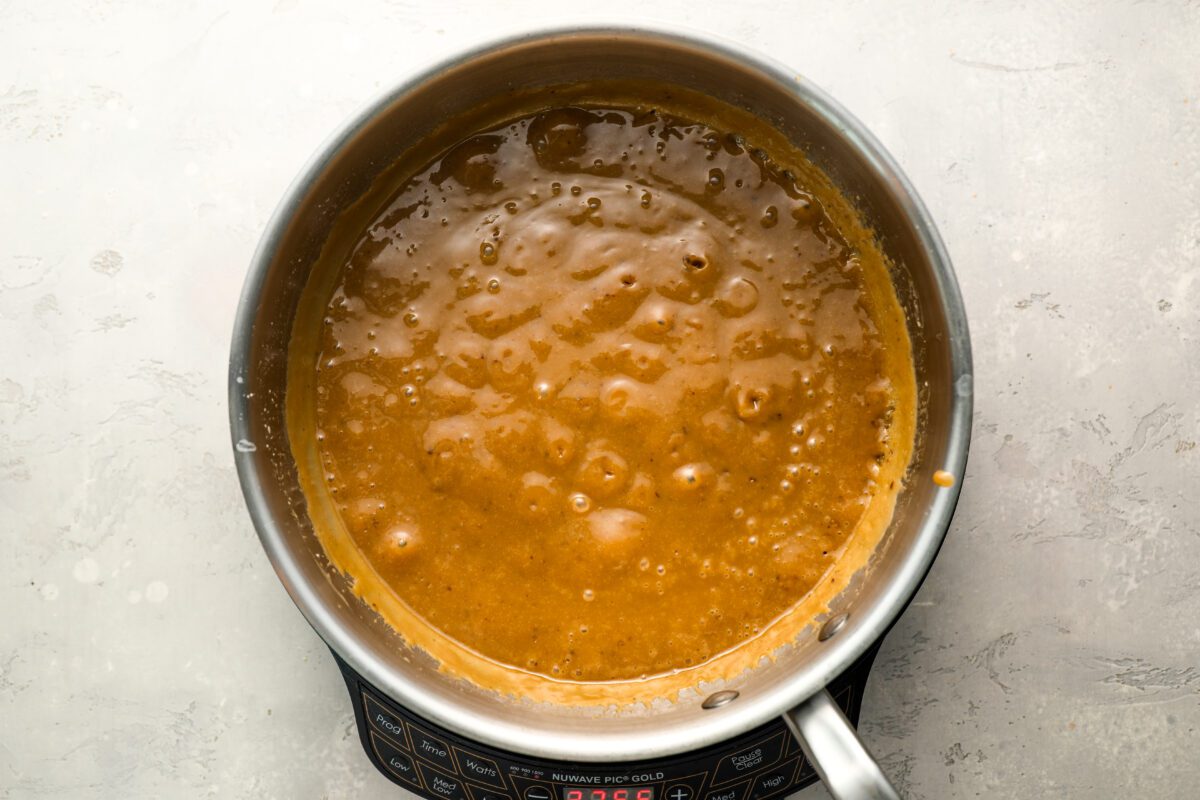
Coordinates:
<point>603,393</point>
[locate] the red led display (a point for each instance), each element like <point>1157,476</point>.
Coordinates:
<point>597,793</point>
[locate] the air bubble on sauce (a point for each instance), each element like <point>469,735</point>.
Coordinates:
<point>693,477</point>
<point>603,472</point>
<point>616,530</point>
<point>581,502</point>
<point>399,538</point>
<point>716,180</point>
<point>616,395</point>
<point>488,253</point>
<point>736,298</point>
<point>751,402</point>
<point>537,492</point>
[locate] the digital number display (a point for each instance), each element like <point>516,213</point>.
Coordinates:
<point>597,793</point>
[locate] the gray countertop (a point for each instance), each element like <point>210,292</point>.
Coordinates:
<point>146,647</point>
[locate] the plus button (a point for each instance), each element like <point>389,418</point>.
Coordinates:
<point>679,793</point>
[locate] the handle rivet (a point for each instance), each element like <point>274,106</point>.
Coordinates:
<point>718,699</point>
<point>832,626</point>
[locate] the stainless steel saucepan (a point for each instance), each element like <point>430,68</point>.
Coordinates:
<point>794,685</point>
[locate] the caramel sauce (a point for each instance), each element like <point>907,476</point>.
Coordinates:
<point>603,393</point>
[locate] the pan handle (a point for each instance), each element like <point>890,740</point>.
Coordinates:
<point>832,746</point>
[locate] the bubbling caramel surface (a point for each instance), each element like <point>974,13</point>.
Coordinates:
<point>602,393</point>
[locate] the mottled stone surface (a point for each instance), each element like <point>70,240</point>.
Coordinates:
<point>146,648</point>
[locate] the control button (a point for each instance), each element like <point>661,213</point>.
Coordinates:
<point>679,791</point>
<point>480,793</point>
<point>734,792</point>
<point>442,785</point>
<point>683,788</point>
<point>531,788</point>
<point>478,768</point>
<point>774,781</point>
<point>398,764</point>
<point>430,748</point>
<point>384,721</point>
<point>750,759</point>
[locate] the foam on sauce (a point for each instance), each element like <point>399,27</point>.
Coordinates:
<point>603,393</point>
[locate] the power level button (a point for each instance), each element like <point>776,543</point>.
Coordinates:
<point>536,792</point>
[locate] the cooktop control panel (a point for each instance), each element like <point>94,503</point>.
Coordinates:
<point>436,764</point>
